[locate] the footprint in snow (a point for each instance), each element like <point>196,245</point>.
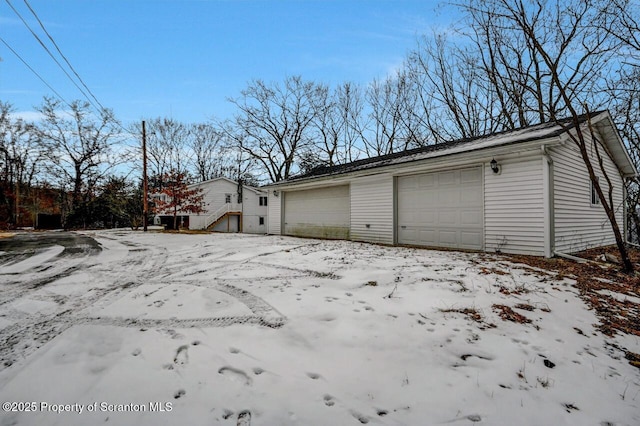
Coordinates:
<point>329,401</point>
<point>179,393</point>
<point>258,371</point>
<point>244,418</point>
<point>182,356</point>
<point>234,350</point>
<point>227,413</point>
<point>360,417</point>
<point>136,352</point>
<point>313,376</point>
<point>235,375</point>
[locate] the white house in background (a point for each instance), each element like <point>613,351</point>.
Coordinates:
<point>535,198</point>
<point>229,208</point>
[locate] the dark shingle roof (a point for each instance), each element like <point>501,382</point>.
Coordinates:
<point>524,134</point>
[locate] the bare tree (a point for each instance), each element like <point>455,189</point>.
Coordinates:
<point>392,128</point>
<point>453,99</point>
<point>273,123</point>
<point>572,54</point>
<point>79,148</point>
<point>208,153</point>
<point>20,159</point>
<point>167,146</point>
<point>335,127</point>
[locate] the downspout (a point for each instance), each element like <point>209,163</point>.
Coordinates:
<point>547,193</point>
<point>625,218</point>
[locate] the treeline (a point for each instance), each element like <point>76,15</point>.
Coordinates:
<point>504,65</point>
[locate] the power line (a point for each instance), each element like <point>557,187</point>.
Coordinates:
<point>35,72</point>
<point>102,108</point>
<point>61,54</point>
<point>50,54</point>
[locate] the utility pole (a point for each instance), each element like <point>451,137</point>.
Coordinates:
<point>145,187</point>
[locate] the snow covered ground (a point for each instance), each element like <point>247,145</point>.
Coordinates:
<point>166,329</point>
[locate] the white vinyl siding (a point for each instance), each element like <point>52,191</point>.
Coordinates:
<point>441,209</point>
<point>214,196</point>
<point>274,215</point>
<point>318,213</point>
<point>372,209</point>
<point>514,207</point>
<point>578,223</point>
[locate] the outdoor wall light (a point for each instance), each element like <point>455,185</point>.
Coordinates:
<point>275,193</point>
<point>494,166</point>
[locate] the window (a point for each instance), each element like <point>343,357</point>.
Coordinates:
<point>261,220</point>
<point>595,200</point>
<point>227,198</point>
<point>263,201</point>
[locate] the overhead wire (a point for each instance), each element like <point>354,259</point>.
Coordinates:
<point>62,54</point>
<point>35,72</point>
<point>50,54</point>
<point>101,107</point>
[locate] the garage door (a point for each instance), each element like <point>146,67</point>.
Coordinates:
<point>319,213</point>
<point>441,209</point>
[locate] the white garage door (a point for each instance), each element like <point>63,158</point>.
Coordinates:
<point>442,209</point>
<point>319,213</point>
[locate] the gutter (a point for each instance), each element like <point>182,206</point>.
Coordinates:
<point>547,191</point>
<point>432,163</point>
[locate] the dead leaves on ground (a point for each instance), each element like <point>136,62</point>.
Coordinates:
<point>508,314</point>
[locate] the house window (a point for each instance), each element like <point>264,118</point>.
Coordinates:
<point>227,198</point>
<point>595,200</point>
<point>263,201</point>
<point>261,220</point>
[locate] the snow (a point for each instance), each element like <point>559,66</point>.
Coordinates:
<point>307,332</point>
<point>32,261</point>
<point>620,297</point>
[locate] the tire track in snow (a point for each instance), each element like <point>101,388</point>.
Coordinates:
<point>227,321</point>
<point>29,332</point>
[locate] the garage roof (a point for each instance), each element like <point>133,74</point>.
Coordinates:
<point>602,121</point>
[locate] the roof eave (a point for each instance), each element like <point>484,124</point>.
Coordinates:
<point>483,151</point>
<point>605,125</point>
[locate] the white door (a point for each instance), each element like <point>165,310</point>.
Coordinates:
<point>442,209</point>
<point>319,213</point>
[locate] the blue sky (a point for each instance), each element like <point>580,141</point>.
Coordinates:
<point>183,59</point>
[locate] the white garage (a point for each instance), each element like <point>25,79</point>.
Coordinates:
<point>442,209</point>
<point>319,213</point>
<point>525,191</point>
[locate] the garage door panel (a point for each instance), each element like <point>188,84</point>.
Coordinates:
<point>448,238</point>
<point>447,218</point>
<point>322,212</point>
<point>471,175</point>
<point>426,181</point>
<point>471,217</point>
<point>470,239</point>
<point>446,178</point>
<point>444,209</point>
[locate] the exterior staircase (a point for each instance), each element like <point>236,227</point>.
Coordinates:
<point>224,212</point>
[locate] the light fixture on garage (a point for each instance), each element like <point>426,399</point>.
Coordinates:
<point>275,193</point>
<point>494,166</point>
